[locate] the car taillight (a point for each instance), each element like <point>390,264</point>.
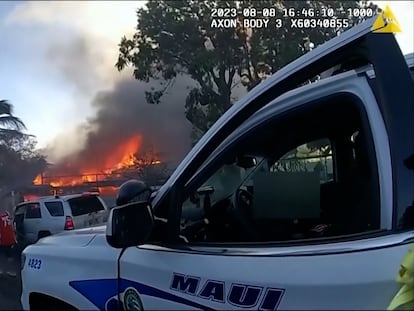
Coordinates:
<point>69,225</point>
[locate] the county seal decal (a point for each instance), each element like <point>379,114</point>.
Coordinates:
<point>132,302</point>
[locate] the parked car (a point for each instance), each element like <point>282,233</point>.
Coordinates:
<point>52,214</point>
<point>270,234</point>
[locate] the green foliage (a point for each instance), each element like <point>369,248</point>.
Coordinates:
<point>10,125</point>
<point>20,162</point>
<point>176,37</point>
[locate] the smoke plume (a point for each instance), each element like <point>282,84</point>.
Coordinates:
<point>78,47</point>
<point>123,114</point>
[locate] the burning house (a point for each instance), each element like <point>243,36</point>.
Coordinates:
<point>101,172</point>
<point>126,138</point>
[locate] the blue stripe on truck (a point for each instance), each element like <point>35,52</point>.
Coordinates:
<point>103,293</point>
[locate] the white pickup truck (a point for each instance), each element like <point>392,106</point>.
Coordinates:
<point>299,197</point>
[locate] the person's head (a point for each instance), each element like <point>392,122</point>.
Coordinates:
<point>132,191</point>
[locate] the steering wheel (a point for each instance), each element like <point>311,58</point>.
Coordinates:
<point>198,230</point>
<point>242,216</point>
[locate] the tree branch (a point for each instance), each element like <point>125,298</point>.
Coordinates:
<point>215,78</point>
<point>232,72</point>
<point>198,76</point>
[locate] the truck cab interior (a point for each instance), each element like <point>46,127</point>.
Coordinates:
<point>314,168</point>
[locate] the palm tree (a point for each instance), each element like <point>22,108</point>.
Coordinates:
<point>10,125</point>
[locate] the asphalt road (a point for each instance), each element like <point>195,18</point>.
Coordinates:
<point>10,287</point>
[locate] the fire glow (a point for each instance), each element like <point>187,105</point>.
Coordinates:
<point>82,170</point>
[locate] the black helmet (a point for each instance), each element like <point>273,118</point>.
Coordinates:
<point>132,191</point>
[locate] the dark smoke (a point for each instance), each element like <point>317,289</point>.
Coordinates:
<point>122,113</point>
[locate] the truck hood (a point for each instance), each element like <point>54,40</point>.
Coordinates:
<point>79,237</point>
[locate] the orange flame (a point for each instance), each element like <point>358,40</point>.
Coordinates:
<point>38,180</point>
<point>30,197</point>
<point>108,191</point>
<point>121,157</point>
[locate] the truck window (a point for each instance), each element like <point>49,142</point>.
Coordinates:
<point>321,179</point>
<point>315,156</point>
<point>20,210</point>
<point>55,209</point>
<point>85,205</point>
<point>33,211</point>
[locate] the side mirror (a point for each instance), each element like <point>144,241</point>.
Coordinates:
<point>246,162</point>
<point>129,225</point>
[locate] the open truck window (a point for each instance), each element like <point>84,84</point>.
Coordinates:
<point>318,177</point>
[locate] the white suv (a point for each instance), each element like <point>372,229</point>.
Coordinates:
<point>50,215</point>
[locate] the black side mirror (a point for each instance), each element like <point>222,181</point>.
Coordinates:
<point>129,225</point>
<point>246,162</point>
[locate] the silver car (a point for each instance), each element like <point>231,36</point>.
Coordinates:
<point>52,214</point>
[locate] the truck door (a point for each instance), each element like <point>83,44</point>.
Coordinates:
<point>19,223</point>
<point>307,229</point>
<point>32,219</point>
<point>55,217</point>
<point>264,246</point>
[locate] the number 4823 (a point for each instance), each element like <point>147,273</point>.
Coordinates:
<point>34,263</point>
